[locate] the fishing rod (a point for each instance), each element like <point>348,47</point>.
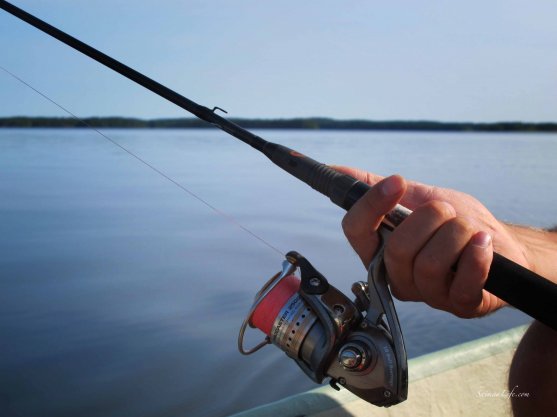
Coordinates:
<point>363,334</point>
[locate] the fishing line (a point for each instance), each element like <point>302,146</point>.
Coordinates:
<point>221,213</point>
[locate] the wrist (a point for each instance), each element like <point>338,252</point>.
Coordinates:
<point>539,249</point>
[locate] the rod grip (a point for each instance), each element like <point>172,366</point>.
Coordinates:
<point>523,289</point>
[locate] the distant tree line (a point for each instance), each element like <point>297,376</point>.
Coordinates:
<point>296,123</point>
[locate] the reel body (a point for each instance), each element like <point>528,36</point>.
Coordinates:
<point>357,344</point>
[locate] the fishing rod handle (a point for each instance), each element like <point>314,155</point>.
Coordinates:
<point>518,286</point>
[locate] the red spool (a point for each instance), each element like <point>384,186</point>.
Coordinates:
<point>267,311</point>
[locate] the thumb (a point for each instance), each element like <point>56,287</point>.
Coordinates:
<point>359,174</point>
<point>416,192</point>
<point>363,219</point>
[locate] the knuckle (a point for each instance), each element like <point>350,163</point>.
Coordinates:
<point>462,225</point>
<point>439,209</point>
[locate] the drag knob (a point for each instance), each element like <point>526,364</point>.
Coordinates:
<point>351,357</point>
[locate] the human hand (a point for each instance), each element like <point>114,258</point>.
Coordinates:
<point>447,228</point>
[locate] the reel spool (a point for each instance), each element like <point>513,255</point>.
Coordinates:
<point>357,344</point>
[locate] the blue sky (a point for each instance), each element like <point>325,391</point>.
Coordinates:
<point>441,60</point>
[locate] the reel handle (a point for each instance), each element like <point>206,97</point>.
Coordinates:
<point>518,286</point>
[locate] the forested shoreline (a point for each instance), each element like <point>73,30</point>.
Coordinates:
<point>293,123</point>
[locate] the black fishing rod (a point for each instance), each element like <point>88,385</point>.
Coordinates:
<point>520,287</point>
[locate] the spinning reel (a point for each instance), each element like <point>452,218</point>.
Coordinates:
<point>357,344</point>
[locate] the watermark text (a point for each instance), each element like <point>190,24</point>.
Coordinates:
<point>514,393</point>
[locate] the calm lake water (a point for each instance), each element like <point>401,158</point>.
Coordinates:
<point>122,295</point>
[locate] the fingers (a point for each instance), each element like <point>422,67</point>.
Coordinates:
<point>466,294</point>
<point>426,273</point>
<point>363,219</point>
<point>406,243</point>
<point>433,265</point>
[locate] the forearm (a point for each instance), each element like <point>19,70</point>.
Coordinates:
<point>540,247</point>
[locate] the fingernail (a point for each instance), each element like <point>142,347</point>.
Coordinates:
<point>481,239</point>
<point>391,186</point>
